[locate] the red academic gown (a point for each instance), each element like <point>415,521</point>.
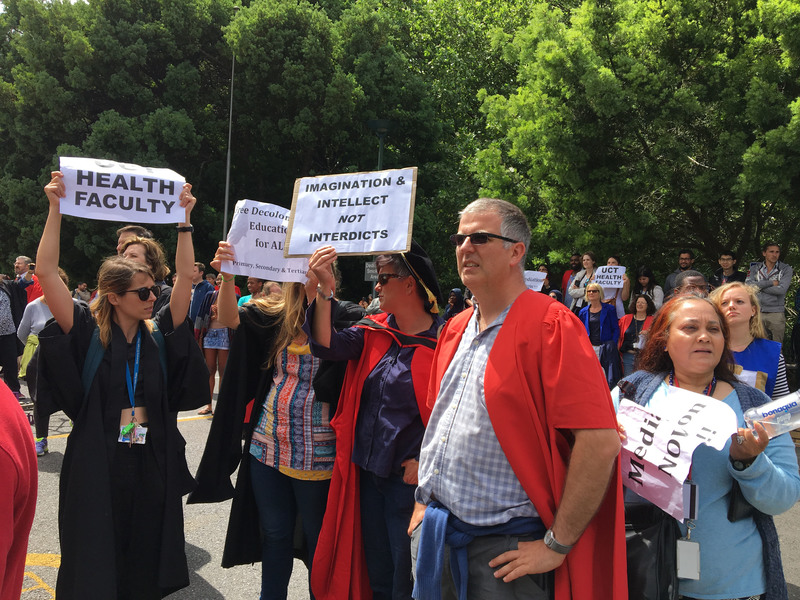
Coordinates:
<point>18,481</point>
<point>543,379</point>
<point>339,571</point>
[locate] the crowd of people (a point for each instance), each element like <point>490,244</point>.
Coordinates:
<point>422,446</point>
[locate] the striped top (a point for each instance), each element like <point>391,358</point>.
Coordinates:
<point>293,433</point>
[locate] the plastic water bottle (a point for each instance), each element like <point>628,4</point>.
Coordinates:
<point>777,417</point>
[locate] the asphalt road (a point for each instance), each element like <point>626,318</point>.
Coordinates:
<point>205,534</point>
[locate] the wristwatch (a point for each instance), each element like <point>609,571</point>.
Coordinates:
<point>741,465</point>
<point>551,542</point>
<point>322,294</point>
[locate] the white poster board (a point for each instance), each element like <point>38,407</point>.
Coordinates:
<point>356,213</point>
<point>657,454</point>
<point>257,234</point>
<point>534,280</point>
<point>106,190</point>
<point>610,276</point>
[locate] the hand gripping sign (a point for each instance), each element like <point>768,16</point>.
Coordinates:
<point>257,234</point>
<point>657,454</point>
<point>110,191</point>
<point>356,213</point>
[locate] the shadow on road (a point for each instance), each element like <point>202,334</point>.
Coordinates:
<point>198,588</point>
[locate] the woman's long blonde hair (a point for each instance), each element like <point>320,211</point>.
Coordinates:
<point>114,277</point>
<point>757,329</point>
<point>290,309</point>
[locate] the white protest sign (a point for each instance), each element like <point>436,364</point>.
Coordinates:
<point>370,271</point>
<point>106,190</point>
<point>534,280</point>
<point>257,234</point>
<point>356,213</point>
<point>657,454</point>
<point>609,277</point>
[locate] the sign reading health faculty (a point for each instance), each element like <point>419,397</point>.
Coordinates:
<point>356,213</point>
<point>110,191</point>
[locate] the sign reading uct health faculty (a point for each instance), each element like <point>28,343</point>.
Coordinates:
<point>111,191</point>
<point>356,213</point>
<point>257,234</point>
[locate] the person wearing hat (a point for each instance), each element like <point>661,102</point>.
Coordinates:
<point>379,425</point>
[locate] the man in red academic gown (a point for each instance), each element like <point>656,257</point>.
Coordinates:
<point>518,477</point>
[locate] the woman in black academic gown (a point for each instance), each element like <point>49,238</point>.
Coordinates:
<point>121,378</point>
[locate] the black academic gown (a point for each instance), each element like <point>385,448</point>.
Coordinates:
<point>245,379</point>
<point>88,568</point>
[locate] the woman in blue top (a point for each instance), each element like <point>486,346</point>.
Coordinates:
<point>759,361</point>
<point>600,320</point>
<point>687,348</point>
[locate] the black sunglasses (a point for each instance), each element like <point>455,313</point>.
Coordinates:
<point>144,292</point>
<point>476,239</point>
<point>384,278</point>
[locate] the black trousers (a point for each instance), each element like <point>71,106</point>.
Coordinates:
<point>8,360</point>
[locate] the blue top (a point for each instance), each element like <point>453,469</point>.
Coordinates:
<point>389,428</point>
<point>761,358</point>
<point>199,292</point>
<point>771,484</point>
<point>609,324</point>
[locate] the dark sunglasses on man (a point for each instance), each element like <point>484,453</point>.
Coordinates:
<point>477,239</point>
<point>144,292</point>
<point>384,278</point>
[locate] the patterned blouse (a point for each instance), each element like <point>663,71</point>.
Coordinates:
<point>294,434</point>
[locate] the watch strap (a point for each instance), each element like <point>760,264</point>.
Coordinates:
<point>551,542</point>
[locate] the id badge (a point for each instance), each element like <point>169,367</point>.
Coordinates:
<point>137,435</point>
<point>688,559</point>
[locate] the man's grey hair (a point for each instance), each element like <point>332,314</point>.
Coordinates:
<point>26,259</point>
<point>513,223</point>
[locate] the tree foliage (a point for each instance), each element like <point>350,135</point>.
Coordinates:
<point>643,127</point>
<point>634,127</point>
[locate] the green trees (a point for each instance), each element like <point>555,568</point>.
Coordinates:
<point>641,127</point>
<point>632,127</point>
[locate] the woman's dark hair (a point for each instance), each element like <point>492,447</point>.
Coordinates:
<point>651,307</point>
<point>400,268</point>
<point>590,255</point>
<point>654,357</point>
<point>651,283</point>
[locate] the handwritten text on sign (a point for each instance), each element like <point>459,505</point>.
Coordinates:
<point>110,191</point>
<point>356,213</point>
<point>257,234</point>
<point>657,454</point>
<point>534,280</point>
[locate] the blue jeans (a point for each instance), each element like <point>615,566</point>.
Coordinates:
<point>386,507</point>
<point>280,498</point>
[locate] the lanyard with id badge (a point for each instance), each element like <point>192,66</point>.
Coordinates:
<point>688,551</point>
<point>133,432</point>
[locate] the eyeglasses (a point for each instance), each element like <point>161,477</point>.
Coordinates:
<point>477,239</point>
<point>592,291</point>
<point>144,292</point>
<point>384,278</point>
